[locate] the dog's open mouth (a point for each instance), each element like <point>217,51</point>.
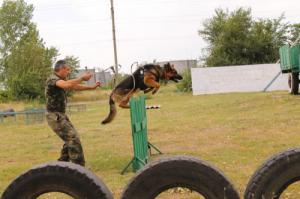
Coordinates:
<point>176,78</point>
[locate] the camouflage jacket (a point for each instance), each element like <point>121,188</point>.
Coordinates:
<point>56,98</point>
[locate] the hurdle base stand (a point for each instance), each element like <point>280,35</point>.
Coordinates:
<point>134,162</point>
<point>154,147</point>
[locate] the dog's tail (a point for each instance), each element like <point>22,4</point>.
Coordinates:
<point>112,111</point>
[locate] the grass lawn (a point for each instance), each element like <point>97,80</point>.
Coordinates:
<point>235,132</point>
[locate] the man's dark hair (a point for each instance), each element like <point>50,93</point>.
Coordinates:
<point>59,64</point>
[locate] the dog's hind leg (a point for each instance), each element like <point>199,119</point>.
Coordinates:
<point>124,105</point>
<point>124,102</point>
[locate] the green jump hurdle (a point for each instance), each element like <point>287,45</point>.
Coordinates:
<point>141,145</point>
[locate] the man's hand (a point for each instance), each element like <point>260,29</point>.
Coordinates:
<point>86,76</point>
<point>97,84</point>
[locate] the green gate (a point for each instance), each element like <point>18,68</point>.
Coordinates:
<point>141,145</point>
<point>290,58</point>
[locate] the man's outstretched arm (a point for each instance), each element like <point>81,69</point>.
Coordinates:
<point>81,87</point>
<point>72,83</point>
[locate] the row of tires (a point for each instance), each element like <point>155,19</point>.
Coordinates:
<point>268,182</point>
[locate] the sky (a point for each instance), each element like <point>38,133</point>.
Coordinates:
<point>146,30</point>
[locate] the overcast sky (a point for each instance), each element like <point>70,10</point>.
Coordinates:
<point>145,29</point>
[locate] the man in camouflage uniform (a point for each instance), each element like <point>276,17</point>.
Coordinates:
<point>56,100</point>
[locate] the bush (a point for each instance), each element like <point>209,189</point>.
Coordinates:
<point>185,85</point>
<point>3,96</point>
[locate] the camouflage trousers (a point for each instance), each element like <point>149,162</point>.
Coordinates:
<point>62,126</point>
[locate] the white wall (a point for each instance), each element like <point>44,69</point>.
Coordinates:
<point>246,78</point>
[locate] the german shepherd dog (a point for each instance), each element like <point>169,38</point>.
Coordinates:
<point>145,79</point>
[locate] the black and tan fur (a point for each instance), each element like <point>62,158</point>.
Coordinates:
<point>145,79</point>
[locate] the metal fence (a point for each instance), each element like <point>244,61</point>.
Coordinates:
<point>34,115</point>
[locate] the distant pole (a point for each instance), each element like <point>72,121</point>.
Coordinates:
<point>114,36</point>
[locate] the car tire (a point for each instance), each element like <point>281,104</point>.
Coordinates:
<point>62,177</point>
<point>274,176</point>
<point>179,171</point>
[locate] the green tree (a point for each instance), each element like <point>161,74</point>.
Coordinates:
<point>15,22</point>
<point>25,61</point>
<point>234,38</point>
<point>15,17</point>
<point>28,66</point>
<point>295,33</point>
<point>264,40</point>
<point>227,34</point>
